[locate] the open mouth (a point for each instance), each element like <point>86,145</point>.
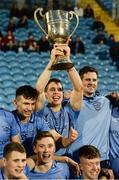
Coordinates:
<point>46,156</point>
<point>56,98</point>
<point>19,171</point>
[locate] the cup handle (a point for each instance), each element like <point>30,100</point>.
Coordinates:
<point>77,21</point>
<point>37,21</point>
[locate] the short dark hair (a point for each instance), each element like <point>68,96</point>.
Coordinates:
<point>42,135</point>
<point>13,146</point>
<point>89,152</point>
<point>27,91</point>
<point>87,69</point>
<point>53,80</point>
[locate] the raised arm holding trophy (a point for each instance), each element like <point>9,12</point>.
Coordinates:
<point>60,116</point>
<point>57,24</point>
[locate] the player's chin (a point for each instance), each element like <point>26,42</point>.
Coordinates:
<point>56,102</point>
<point>91,91</point>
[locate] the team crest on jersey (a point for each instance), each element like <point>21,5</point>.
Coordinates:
<point>97,105</point>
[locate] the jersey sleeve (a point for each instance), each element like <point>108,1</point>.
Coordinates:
<point>73,116</point>
<point>12,123</point>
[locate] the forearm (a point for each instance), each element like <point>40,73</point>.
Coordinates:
<point>75,79</point>
<point>65,141</point>
<point>74,165</point>
<point>64,159</point>
<point>31,161</point>
<point>43,78</point>
<point>76,96</point>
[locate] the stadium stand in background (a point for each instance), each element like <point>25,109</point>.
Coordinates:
<point>22,68</point>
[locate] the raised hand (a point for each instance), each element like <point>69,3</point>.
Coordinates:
<point>73,134</point>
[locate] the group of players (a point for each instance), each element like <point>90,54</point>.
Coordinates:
<point>81,129</point>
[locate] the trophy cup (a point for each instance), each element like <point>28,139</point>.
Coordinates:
<point>57,26</point>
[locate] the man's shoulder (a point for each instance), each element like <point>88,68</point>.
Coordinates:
<point>60,169</point>
<point>6,115</point>
<point>5,112</point>
<point>96,97</point>
<point>60,166</point>
<point>43,111</point>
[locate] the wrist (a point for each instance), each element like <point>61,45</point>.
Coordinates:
<point>66,159</point>
<point>66,141</point>
<point>48,68</point>
<point>71,69</point>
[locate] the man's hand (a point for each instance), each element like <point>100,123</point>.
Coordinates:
<point>115,95</point>
<point>74,166</point>
<point>114,98</point>
<point>66,141</point>
<point>109,172</point>
<point>73,134</point>
<point>60,50</point>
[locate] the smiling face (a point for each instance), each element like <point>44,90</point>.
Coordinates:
<point>90,82</point>
<point>54,94</point>
<point>25,107</point>
<point>14,164</point>
<point>45,149</point>
<point>90,168</point>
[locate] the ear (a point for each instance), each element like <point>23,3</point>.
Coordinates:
<point>15,102</point>
<point>34,149</point>
<point>45,95</point>
<point>4,160</point>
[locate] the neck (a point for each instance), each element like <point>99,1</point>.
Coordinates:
<point>88,95</point>
<point>22,118</point>
<point>56,108</point>
<point>7,175</point>
<point>43,167</point>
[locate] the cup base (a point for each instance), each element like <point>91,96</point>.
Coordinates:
<point>62,66</point>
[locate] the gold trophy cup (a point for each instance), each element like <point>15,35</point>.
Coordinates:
<point>57,31</point>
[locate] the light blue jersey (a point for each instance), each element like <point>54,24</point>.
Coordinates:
<point>29,130</point>
<point>114,134</point>
<point>93,126</point>
<point>59,171</point>
<point>3,177</point>
<point>114,141</point>
<point>60,121</point>
<point>8,128</point>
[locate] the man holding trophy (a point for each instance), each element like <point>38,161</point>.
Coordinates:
<point>60,115</point>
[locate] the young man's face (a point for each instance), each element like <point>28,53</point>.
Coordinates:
<point>15,164</point>
<point>25,106</point>
<point>90,82</point>
<point>90,167</point>
<point>45,149</point>
<point>54,93</point>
